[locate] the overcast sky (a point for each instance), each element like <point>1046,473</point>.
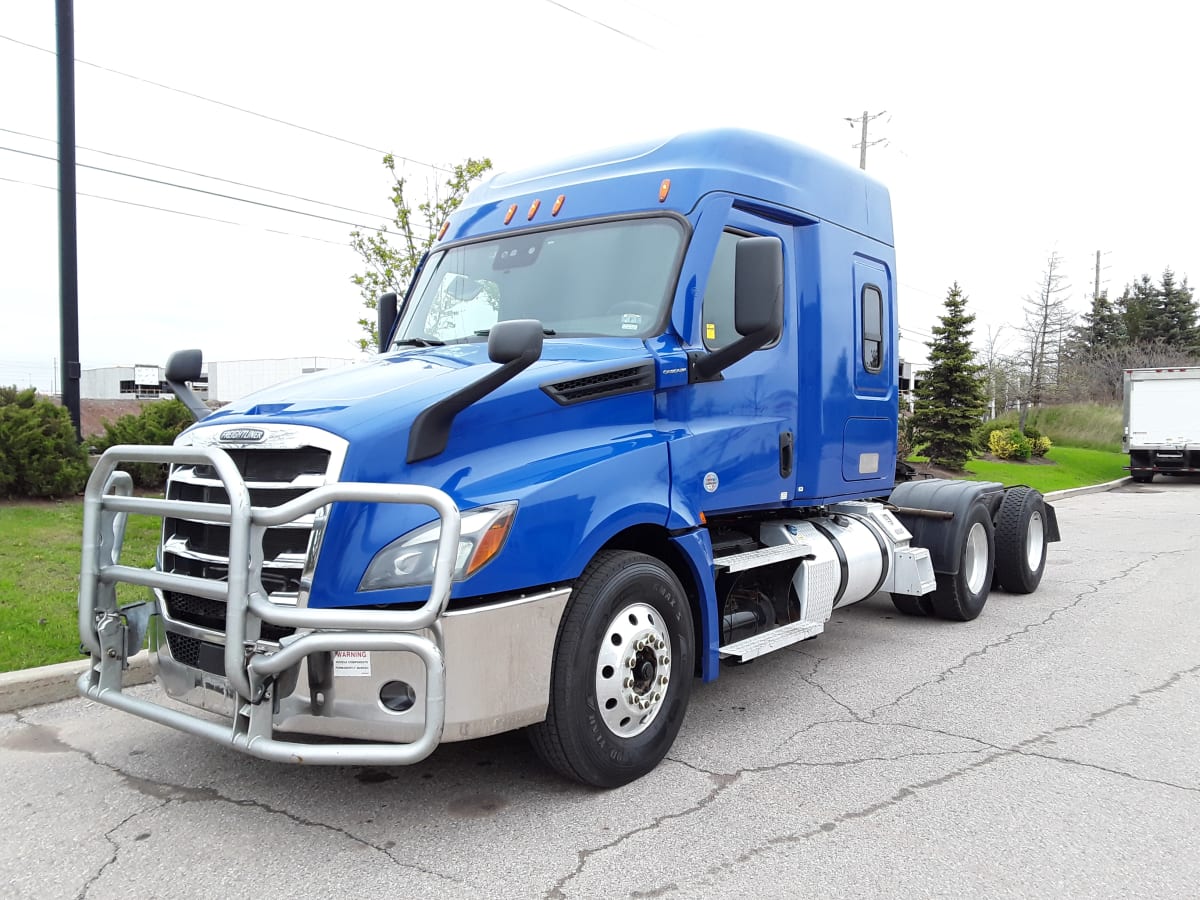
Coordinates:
<point>1012,131</point>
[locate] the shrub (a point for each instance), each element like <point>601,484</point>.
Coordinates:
<point>1032,433</point>
<point>159,423</point>
<point>1041,444</point>
<point>1009,443</point>
<point>904,436</point>
<point>39,454</point>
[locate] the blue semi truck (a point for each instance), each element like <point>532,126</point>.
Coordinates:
<point>635,416</point>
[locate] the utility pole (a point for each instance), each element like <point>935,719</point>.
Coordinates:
<point>863,144</point>
<point>68,270</point>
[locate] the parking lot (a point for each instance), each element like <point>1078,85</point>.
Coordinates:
<point>1047,749</point>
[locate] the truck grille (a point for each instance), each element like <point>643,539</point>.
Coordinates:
<point>285,468</point>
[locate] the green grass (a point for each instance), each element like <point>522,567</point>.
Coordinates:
<point>1087,425</point>
<point>1073,467</point>
<point>39,579</point>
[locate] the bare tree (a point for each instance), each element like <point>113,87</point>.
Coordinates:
<point>1046,326</point>
<point>1000,371</point>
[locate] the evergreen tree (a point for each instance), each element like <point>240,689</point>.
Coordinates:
<point>1139,309</point>
<point>1177,313</point>
<point>1102,327</point>
<point>950,400</point>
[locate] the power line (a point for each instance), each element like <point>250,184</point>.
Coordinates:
<point>185,187</point>
<point>241,109</point>
<point>179,212</point>
<point>146,162</point>
<point>601,23</point>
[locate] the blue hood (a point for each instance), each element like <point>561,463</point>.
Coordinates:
<point>382,395</point>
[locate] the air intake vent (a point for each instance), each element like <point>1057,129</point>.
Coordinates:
<point>603,384</point>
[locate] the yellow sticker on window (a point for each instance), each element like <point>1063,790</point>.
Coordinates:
<point>710,331</point>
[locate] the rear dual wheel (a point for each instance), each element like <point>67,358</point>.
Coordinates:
<point>960,596</point>
<point>1021,540</point>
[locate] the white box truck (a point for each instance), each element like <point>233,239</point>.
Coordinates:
<point>1162,421</point>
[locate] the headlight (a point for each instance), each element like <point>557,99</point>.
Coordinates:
<point>408,561</point>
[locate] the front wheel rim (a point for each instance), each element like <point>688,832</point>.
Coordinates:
<point>633,670</point>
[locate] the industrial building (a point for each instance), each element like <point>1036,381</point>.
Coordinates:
<point>222,382</point>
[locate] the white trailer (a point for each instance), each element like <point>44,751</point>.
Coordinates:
<point>1162,421</point>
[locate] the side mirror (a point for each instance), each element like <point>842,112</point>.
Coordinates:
<point>184,366</point>
<point>758,287</point>
<point>387,312</point>
<point>757,306</point>
<point>513,339</point>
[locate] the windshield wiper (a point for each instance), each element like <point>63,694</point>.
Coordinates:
<point>418,342</point>
<point>484,332</point>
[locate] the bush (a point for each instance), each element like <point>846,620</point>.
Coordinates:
<point>1009,443</point>
<point>39,454</point>
<point>904,436</point>
<point>159,423</point>
<point>1041,444</point>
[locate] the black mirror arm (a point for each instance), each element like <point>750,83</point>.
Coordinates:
<point>708,366</point>
<point>431,428</point>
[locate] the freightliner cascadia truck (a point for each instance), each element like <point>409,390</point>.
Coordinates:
<point>1162,422</point>
<point>635,416</point>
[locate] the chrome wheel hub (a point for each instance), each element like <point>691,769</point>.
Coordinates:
<point>633,670</point>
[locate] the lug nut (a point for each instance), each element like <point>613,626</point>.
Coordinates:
<point>663,681</point>
<point>627,683</point>
<point>664,660</point>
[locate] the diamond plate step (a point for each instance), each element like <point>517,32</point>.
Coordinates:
<point>753,559</point>
<point>759,644</point>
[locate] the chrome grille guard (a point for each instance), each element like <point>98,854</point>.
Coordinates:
<point>113,634</point>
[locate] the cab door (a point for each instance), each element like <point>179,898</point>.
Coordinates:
<point>737,451</point>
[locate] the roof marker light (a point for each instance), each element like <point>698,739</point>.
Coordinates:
<point>512,211</point>
<point>442,231</point>
<point>558,204</point>
<point>664,189</point>
<point>533,209</point>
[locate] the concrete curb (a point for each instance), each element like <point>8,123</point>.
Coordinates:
<point>49,684</point>
<point>1089,489</point>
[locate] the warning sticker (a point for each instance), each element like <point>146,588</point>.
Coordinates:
<point>352,663</point>
<point>710,331</point>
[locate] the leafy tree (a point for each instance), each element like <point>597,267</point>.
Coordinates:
<point>950,400</point>
<point>39,455</point>
<point>391,267</point>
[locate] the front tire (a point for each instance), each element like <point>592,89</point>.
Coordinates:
<point>961,596</point>
<point>622,672</point>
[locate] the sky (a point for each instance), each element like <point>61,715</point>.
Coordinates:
<point>1007,132</point>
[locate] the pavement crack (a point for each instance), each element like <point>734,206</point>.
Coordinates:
<point>942,676</point>
<point>116,848</point>
<point>169,793</point>
<point>720,783</point>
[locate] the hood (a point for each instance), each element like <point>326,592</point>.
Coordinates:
<point>387,391</point>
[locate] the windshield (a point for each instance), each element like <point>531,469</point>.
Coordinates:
<point>611,279</point>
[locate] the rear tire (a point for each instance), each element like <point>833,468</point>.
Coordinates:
<point>627,629</point>
<point>1021,540</point>
<point>961,597</point>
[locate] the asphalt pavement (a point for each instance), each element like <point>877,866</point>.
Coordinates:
<point>1047,749</point>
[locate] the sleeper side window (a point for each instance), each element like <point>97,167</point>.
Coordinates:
<point>872,328</point>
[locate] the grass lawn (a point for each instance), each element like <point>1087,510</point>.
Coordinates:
<point>39,578</point>
<point>1072,467</point>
